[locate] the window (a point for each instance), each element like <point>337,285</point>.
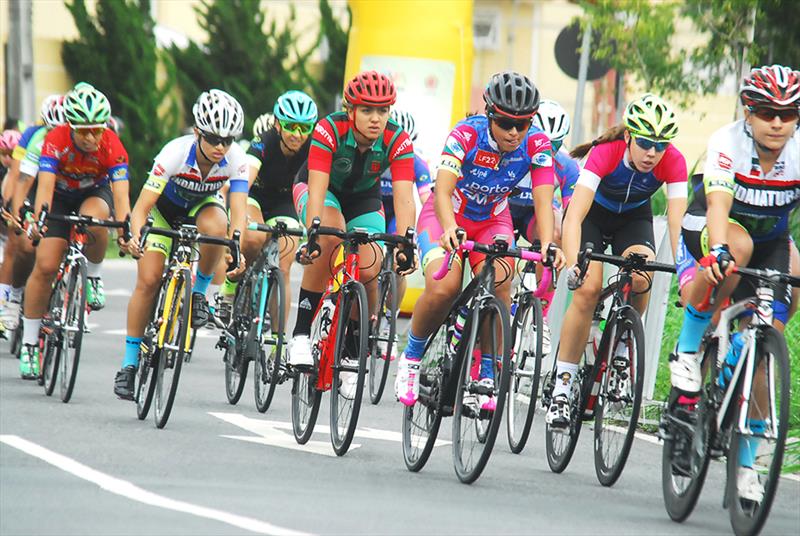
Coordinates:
<point>486,30</point>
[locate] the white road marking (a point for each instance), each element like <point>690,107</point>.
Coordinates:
<point>126,489</point>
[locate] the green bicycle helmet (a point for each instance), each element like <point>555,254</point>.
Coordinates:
<point>296,107</point>
<point>85,105</point>
<point>650,116</point>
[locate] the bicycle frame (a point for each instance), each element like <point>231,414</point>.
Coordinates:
<point>179,259</point>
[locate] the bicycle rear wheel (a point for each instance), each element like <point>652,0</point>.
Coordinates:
<point>620,398</point>
<point>74,318</point>
<point>526,368</point>
<point>422,420</point>
<point>560,444</point>
<point>758,439</point>
<point>236,358</point>
<point>51,347</point>
<point>175,329</point>
<point>267,373</point>
<point>349,365</point>
<point>475,428</point>
<point>381,336</point>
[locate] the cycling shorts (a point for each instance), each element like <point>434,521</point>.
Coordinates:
<point>773,254</point>
<point>168,215</point>
<point>360,210</point>
<point>429,231</point>
<point>68,204</point>
<point>283,211</point>
<point>603,227</point>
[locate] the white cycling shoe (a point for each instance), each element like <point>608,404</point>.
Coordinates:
<point>685,373</point>
<point>349,380</point>
<point>749,486</point>
<point>300,351</point>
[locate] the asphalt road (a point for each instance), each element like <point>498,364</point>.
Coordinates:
<point>90,467</point>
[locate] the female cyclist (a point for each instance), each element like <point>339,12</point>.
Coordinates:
<point>484,158</point>
<point>611,205</point>
<point>740,215</point>
<point>183,187</point>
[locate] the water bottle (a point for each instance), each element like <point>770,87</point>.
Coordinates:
<point>326,317</point>
<point>458,327</point>
<point>731,359</point>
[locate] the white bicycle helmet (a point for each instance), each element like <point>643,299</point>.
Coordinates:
<point>406,122</point>
<point>552,119</point>
<point>216,112</point>
<point>262,124</point>
<point>53,111</point>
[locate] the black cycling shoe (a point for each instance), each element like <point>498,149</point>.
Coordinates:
<point>123,383</point>
<point>200,313</point>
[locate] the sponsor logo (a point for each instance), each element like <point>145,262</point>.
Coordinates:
<point>402,147</point>
<point>159,170</point>
<point>467,135</point>
<point>486,188</point>
<point>486,159</point>
<point>766,198</point>
<point>343,165</point>
<point>198,187</point>
<point>454,146</point>
<point>119,173</point>
<point>323,132</point>
<point>374,166</point>
<point>120,159</point>
<point>305,304</point>
<point>542,160</point>
<point>243,169</point>
<point>724,161</point>
<point>777,170</point>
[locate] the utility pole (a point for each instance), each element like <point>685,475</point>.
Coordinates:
<point>21,102</point>
<point>583,67</point>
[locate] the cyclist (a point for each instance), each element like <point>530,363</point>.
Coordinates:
<point>553,120</point>
<point>275,156</point>
<point>484,158</point>
<point>8,140</point>
<point>349,152</point>
<point>739,215</point>
<point>83,168</point>
<point>18,263</point>
<point>611,204</point>
<point>262,124</point>
<point>183,187</point>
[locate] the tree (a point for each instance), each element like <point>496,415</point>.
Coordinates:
<point>117,53</point>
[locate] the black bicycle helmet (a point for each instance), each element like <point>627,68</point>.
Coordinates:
<point>511,94</point>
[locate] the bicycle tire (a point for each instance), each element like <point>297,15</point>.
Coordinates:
<point>380,358</point>
<point>463,415</point>
<point>72,328</point>
<point>747,516</point>
<point>609,468</point>
<point>51,349</point>
<point>560,446</point>
<point>145,384</point>
<point>172,354</point>
<point>15,345</point>
<point>527,321</point>
<point>419,435</point>
<point>352,344</point>
<point>236,356</point>
<point>267,364</point>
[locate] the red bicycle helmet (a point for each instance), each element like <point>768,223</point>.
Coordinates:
<point>370,88</point>
<point>771,86</point>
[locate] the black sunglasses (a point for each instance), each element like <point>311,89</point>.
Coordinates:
<point>507,123</point>
<point>214,140</point>
<point>768,114</point>
<point>647,144</point>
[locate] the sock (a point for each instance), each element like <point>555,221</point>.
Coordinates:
<point>16,294</point>
<point>487,367</point>
<point>547,299</point>
<point>415,346</point>
<point>201,282</point>
<point>748,446</point>
<point>131,352</point>
<point>565,373</point>
<point>5,291</point>
<point>92,269</point>
<point>30,330</point>
<point>229,287</point>
<point>213,290</point>
<point>307,303</point>
<point>694,326</point>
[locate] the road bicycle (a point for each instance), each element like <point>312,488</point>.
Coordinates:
<point>64,324</point>
<point>476,328</point>
<point>168,338</point>
<point>609,381</point>
<point>742,411</point>
<point>254,329</point>
<point>339,343</point>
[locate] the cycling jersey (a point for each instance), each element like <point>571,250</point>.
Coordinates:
<point>33,152</point>
<point>566,171</point>
<point>761,203</point>
<point>76,170</point>
<point>486,176</point>
<point>334,151</point>
<point>272,189</point>
<point>422,179</point>
<point>620,188</point>
<point>19,151</point>
<point>176,174</point>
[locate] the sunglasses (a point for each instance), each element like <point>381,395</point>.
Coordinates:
<point>214,140</point>
<point>507,124</point>
<point>85,131</point>
<point>647,144</point>
<point>304,129</point>
<point>768,114</point>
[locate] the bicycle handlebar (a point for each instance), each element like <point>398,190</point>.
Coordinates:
<point>189,233</point>
<point>361,236</point>
<point>280,228</point>
<point>772,276</point>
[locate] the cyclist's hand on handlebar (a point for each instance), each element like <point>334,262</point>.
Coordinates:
<point>559,260</point>
<point>306,257</point>
<point>574,279</point>
<point>240,268</point>
<point>406,260</point>
<point>718,264</point>
<point>133,245</point>
<point>452,237</point>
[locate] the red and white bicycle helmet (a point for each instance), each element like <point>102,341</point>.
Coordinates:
<point>370,88</point>
<point>53,111</point>
<point>774,86</point>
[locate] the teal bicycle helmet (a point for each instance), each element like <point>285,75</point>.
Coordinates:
<point>296,107</point>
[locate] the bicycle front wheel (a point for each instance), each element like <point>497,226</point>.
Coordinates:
<point>236,358</point>
<point>51,347</point>
<point>349,365</point>
<point>526,368</point>
<point>479,406</point>
<point>74,319</point>
<point>174,338</point>
<point>758,438</point>
<point>381,336</point>
<point>560,444</point>
<point>267,373</point>
<point>620,398</point>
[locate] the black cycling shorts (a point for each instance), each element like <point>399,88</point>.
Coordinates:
<point>65,205</point>
<point>634,227</point>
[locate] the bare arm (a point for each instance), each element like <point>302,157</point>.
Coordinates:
<point>578,208</point>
